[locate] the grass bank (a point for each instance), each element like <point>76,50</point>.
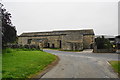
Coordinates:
<point>116,66</point>
<point>19,63</point>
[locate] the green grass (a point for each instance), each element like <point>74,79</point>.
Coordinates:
<point>21,64</point>
<point>72,50</point>
<point>64,50</point>
<point>0,64</point>
<point>52,48</point>
<point>116,66</point>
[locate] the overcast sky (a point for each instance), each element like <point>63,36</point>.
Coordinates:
<point>48,15</point>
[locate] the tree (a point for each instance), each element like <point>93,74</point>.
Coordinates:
<point>8,30</point>
<point>103,43</point>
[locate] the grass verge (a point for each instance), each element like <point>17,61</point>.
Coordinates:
<point>64,50</point>
<point>21,64</point>
<point>52,48</point>
<point>116,66</point>
<point>72,50</point>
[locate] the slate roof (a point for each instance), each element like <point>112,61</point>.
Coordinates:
<point>56,33</point>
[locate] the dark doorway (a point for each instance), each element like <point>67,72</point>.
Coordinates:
<point>60,44</point>
<point>91,46</point>
<point>48,45</point>
<point>53,46</point>
<point>75,44</point>
<point>29,41</point>
<point>71,44</point>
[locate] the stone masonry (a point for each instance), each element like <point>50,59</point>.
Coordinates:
<point>65,40</point>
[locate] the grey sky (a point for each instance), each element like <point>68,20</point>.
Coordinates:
<point>64,15</point>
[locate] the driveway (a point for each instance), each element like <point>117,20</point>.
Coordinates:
<point>82,65</point>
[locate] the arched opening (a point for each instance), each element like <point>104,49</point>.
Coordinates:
<point>91,46</point>
<point>48,45</point>
<point>53,46</point>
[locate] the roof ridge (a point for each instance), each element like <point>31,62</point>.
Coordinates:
<point>55,31</point>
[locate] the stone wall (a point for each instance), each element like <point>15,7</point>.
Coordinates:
<point>104,50</point>
<point>88,41</point>
<point>22,40</point>
<point>72,41</point>
<point>66,40</point>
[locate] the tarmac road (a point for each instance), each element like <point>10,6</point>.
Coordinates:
<point>82,65</point>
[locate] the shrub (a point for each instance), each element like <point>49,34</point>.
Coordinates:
<point>25,49</point>
<point>8,50</point>
<point>18,47</point>
<point>26,46</point>
<point>103,43</point>
<point>33,49</point>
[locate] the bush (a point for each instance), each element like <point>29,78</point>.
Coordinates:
<point>18,47</point>
<point>33,49</point>
<point>26,46</point>
<point>8,50</point>
<point>103,43</point>
<point>32,46</point>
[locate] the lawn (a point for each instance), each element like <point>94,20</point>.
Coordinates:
<point>116,66</point>
<point>21,64</point>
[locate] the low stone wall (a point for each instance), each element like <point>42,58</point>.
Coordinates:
<point>22,46</point>
<point>104,50</point>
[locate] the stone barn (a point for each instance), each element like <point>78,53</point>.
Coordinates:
<point>65,40</point>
